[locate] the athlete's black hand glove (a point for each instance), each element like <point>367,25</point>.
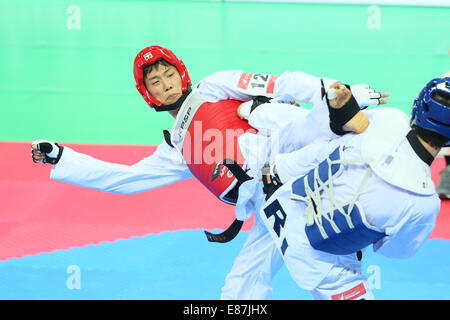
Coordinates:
<point>46,151</point>
<point>270,179</point>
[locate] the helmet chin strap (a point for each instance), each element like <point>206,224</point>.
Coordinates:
<point>175,105</point>
<point>419,148</point>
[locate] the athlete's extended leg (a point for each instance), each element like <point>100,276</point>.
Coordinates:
<point>343,284</point>
<point>258,261</point>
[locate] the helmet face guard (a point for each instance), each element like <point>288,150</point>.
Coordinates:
<point>149,56</point>
<point>430,114</point>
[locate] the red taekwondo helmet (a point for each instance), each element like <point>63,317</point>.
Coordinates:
<point>149,56</point>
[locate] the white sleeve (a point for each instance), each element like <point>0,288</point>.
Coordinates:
<point>163,167</point>
<point>408,235</point>
<point>310,90</point>
<point>307,89</point>
<point>235,84</point>
<point>275,116</point>
<point>298,163</point>
<point>302,87</point>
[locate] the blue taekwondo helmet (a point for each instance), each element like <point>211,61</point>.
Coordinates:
<point>430,114</point>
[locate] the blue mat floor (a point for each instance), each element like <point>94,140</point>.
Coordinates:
<point>183,265</point>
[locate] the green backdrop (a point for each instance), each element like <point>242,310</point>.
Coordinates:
<point>66,66</point>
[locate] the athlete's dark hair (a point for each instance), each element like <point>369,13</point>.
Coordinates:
<point>155,66</point>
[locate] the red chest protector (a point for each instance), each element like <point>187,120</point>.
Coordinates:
<point>207,135</point>
<point>211,137</point>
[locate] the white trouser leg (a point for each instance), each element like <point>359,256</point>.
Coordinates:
<point>343,284</point>
<point>258,261</point>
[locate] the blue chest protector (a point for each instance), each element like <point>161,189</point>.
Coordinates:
<point>338,236</point>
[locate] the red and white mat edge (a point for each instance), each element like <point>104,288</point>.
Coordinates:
<point>40,215</point>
